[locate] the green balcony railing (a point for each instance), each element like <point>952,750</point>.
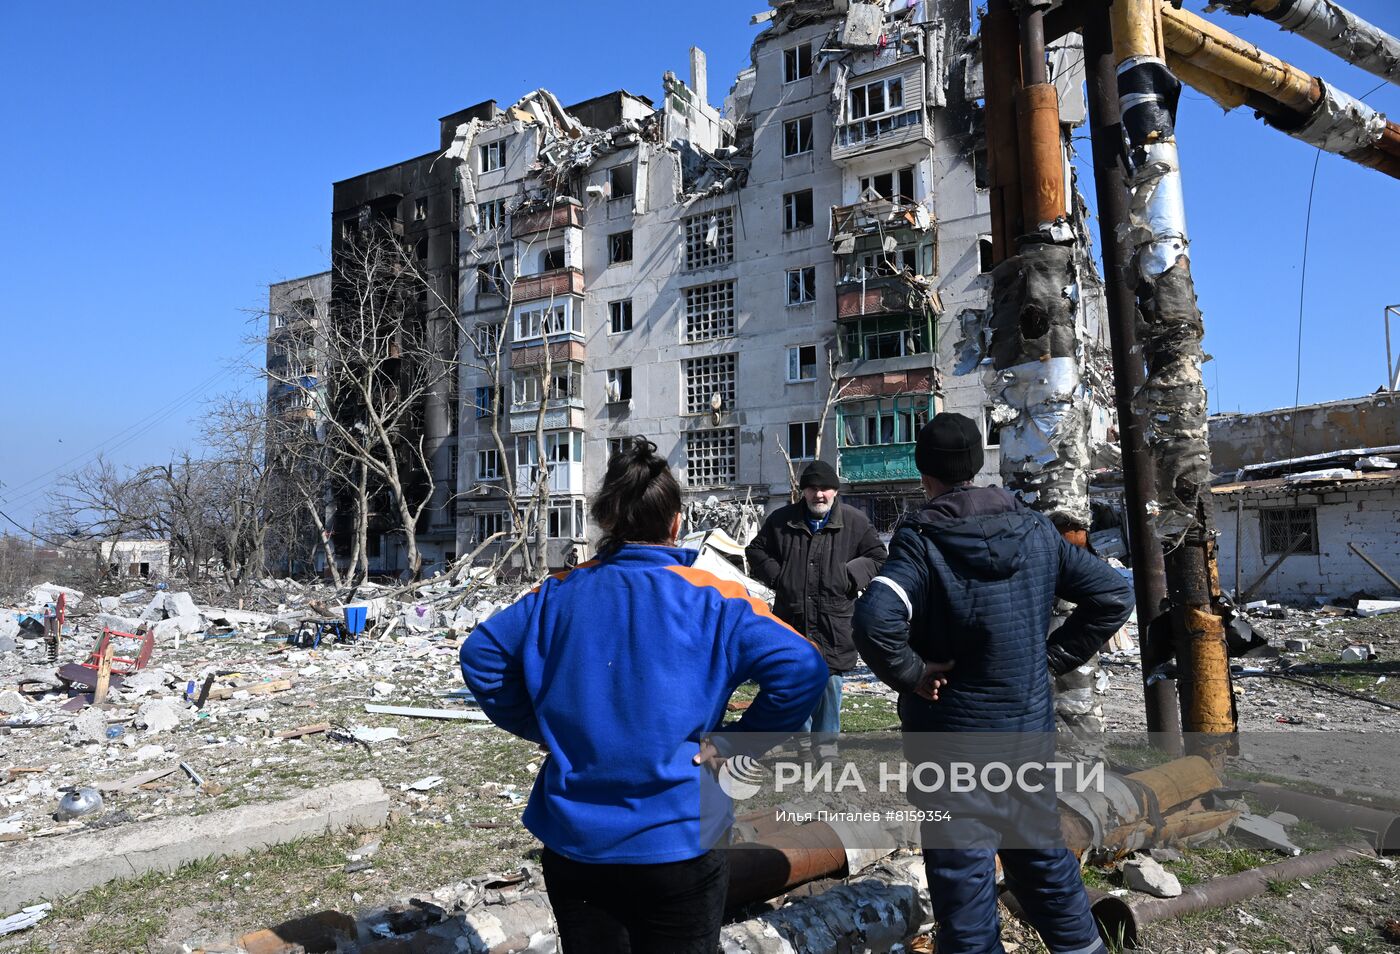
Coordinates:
<point>878,462</point>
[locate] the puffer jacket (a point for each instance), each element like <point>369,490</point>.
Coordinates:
<point>972,578</point>
<point>816,576</point>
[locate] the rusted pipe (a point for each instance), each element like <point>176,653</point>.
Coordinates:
<point>1332,27</point>
<point>1203,44</point>
<point>1001,72</point>
<point>1032,44</point>
<point>1380,827</point>
<point>1121,921</point>
<point>1129,372</point>
<point>783,860</point>
<point>1042,167</point>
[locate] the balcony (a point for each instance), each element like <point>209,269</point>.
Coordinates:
<point>563,216</point>
<point>874,134</point>
<point>877,216</point>
<point>532,355</point>
<point>885,295</point>
<point>554,283</point>
<point>561,413</point>
<point>564,478</point>
<point>890,383</point>
<point>881,463</point>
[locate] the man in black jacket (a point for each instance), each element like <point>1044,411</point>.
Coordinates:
<point>957,623</point>
<point>817,555</point>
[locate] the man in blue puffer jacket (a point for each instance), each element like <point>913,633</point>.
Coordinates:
<point>957,623</point>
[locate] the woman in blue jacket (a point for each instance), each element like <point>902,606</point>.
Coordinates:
<point>620,668</point>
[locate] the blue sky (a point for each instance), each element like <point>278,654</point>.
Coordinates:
<point>163,162</point>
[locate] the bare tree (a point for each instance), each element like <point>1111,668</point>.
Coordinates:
<point>836,388</point>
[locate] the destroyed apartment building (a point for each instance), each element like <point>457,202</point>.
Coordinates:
<point>749,287</point>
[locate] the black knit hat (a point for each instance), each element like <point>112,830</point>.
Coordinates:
<point>950,448</point>
<point>819,474</point>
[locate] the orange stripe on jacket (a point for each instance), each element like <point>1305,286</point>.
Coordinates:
<point>562,575</point>
<point>731,590</point>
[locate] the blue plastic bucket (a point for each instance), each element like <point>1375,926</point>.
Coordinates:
<point>355,619</point>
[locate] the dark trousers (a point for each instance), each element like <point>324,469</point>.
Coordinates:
<point>671,908</point>
<point>962,885</point>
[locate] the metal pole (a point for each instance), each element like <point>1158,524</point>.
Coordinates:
<point>1149,572</point>
<point>1001,69</point>
<point>1392,368</point>
<point>1332,27</point>
<point>1038,121</point>
<point>1174,398</point>
<point>1239,532</point>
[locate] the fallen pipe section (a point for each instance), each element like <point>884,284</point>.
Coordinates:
<point>1121,921</point>
<point>1332,27</point>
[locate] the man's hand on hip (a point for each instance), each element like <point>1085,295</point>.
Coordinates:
<point>932,679</point>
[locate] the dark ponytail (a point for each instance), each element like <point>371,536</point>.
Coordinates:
<point>639,498</point>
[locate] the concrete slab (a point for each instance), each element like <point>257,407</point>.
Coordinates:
<point>46,869</point>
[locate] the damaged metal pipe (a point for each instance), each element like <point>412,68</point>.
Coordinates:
<point>1001,69</point>
<point>1293,101</point>
<point>1172,399</point>
<point>1038,123</point>
<point>1380,827</point>
<point>1121,921</point>
<point>1129,374</point>
<point>1332,27</point>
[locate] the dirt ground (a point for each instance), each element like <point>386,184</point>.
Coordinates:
<point>468,823</point>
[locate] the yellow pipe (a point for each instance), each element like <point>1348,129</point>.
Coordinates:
<point>1205,45</point>
<point>1226,94</point>
<point>1136,29</point>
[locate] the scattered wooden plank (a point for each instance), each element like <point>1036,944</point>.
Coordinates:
<point>302,730</point>
<point>104,675</point>
<point>256,689</point>
<point>15,771</point>
<point>135,782</point>
<point>412,713</point>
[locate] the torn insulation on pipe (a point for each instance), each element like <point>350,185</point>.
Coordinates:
<point>1332,27</point>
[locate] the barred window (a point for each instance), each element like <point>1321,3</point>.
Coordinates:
<point>710,459</point>
<point>709,383</point>
<point>1281,526</point>
<point>709,239</point>
<point>709,311</point>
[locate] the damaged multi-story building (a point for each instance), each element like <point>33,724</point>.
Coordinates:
<point>750,287</point>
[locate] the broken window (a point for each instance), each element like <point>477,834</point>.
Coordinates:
<point>493,156</point>
<point>710,458</point>
<point>619,316</point>
<point>797,62</point>
<point>709,383</point>
<point>551,259</point>
<point>616,445</point>
<point>797,210</point>
<point>487,338</point>
<point>1281,526</point>
<point>802,363</point>
<point>488,464</point>
<point>709,311</point>
<point>620,247</point>
<point>490,214</point>
<point>872,99</point>
<point>802,285</point>
<point>897,185</point>
<point>884,421</point>
<point>797,136</point>
<point>420,250</point>
<point>879,264</point>
<point>979,168</point>
<point>565,384</point>
<point>420,209</point>
<point>984,255</point>
<point>490,279</point>
<point>564,521</point>
<point>802,440</point>
<point>885,336</point>
<point>709,239</point>
<point>618,385</point>
<point>541,322</point>
<point>484,400</point>
<point>620,182</point>
<point>489,524</point>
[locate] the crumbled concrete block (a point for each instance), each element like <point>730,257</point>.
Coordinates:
<point>148,752</point>
<point>12,703</point>
<point>1297,645</point>
<point>147,682</point>
<point>1358,652</point>
<point>1264,833</point>
<point>89,726</point>
<point>110,604</point>
<point>61,866</point>
<point>1147,875</point>
<point>1164,855</point>
<point>158,716</point>
<point>122,624</point>
<point>1283,818</point>
<point>180,604</point>
<point>48,593</point>
<point>7,644</point>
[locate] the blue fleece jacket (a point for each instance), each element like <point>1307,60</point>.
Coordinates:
<point>620,668</point>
